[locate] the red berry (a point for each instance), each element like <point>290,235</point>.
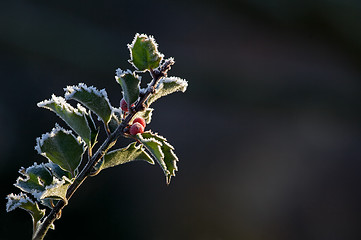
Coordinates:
<point>136,128</point>
<point>124,105</point>
<point>139,120</point>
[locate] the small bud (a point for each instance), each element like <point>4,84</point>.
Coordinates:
<point>124,105</point>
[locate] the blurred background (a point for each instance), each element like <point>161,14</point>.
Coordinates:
<point>268,133</point>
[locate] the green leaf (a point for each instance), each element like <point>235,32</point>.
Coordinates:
<point>41,182</point>
<point>167,86</point>
<point>35,178</point>
<point>144,53</point>
<point>24,202</point>
<point>113,123</point>
<point>124,155</point>
<point>62,148</point>
<point>130,85</point>
<point>55,191</point>
<point>57,171</point>
<point>115,119</point>
<point>170,159</point>
<point>74,117</point>
<point>146,115</point>
<point>155,148</point>
<point>92,98</point>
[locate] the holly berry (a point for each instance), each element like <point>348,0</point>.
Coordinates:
<point>139,120</point>
<point>136,128</point>
<point>124,105</point>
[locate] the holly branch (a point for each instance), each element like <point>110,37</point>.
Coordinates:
<point>52,184</point>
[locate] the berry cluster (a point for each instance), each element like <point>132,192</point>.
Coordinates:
<point>138,123</point>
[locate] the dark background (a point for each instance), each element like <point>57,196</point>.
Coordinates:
<point>268,133</point>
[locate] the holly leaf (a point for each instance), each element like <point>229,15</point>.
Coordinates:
<point>154,147</point>
<point>130,85</point>
<point>167,86</point>
<point>124,155</point>
<point>55,191</point>
<point>146,115</point>
<point>115,119</point>
<point>34,178</point>
<point>24,202</point>
<point>61,147</point>
<point>144,54</point>
<point>41,183</point>
<point>56,171</point>
<point>97,101</point>
<point>162,151</point>
<point>113,123</point>
<point>169,158</point>
<point>74,117</point>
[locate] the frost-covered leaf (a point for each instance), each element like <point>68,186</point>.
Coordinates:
<point>55,191</point>
<point>130,153</point>
<point>41,182</point>
<point>24,202</point>
<point>167,86</point>
<point>130,85</point>
<point>113,123</point>
<point>62,148</point>
<point>124,155</point>
<point>146,115</point>
<point>144,53</point>
<point>169,157</point>
<point>74,117</point>
<point>115,119</point>
<point>92,98</point>
<point>34,178</point>
<point>57,171</point>
<point>156,146</point>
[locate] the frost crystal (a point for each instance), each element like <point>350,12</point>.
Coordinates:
<point>117,111</point>
<point>119,73</point>
<point>63,104</point>
<point>26,174</point>
<point>71,90</point>
<point>142,35</point>
<point>16,200</point>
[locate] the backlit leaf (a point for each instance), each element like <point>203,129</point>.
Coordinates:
<point>74,117</point>
<point>169,158</point>
<point>146,115</point>
<point>144,53</point>
<point>167,86</point>
<point>125,155</point>
<point>130,85</point>
<point>24,202</point>
<point>92,98</point>
<point>62,148</point>
<point>39,181</point>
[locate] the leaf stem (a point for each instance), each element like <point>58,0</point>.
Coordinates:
<point>97,156</point>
